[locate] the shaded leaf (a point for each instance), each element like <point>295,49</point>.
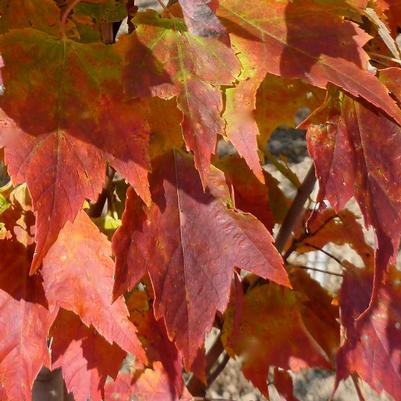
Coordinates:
<point>153,335</point>
<point>271,331</point>
<point>80,122</point>
<point>85,358</point>
<point>201,19</point>
<point>278,100</point>
<point>103,11</point>
<point>250,195</point>
<point>189,241</point>
<point>326,50</point>
<point>319,313</point>
<point>356,153</point>
<point>39,14</point>
<point>372,345</point>
<point>162,59</point>
<point>24,317</point>
<point>78,276</point>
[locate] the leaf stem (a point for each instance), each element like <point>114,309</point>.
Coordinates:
<point>64,17</point>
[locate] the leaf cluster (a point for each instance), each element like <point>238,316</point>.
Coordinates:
<point>125,233</point>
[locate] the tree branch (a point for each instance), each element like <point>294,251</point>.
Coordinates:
<point>48,386</point>
<point>295,213</point>
<point>195,386</point>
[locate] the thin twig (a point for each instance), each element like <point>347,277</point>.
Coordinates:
<point>163,6</point>
<point>357,388</point>
<point>195,386</point>
<point>305,235</point>
<point>315,269</point>
<point>324,224</point>
<point>330,255</point>
<point>393,59</point>
<point>219,368</point>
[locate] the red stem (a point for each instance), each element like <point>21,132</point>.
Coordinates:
<point>65,15</point>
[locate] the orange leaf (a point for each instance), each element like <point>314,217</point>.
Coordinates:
<point>153,385</point>
<point>78,276</point>
<point>271,330</point>
<point>24,315</point>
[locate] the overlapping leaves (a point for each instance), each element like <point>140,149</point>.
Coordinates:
<point>189,76</point>
<point>80,122</point>
<point>180,239</point>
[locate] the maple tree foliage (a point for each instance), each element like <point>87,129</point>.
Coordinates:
<point>126,234</point>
